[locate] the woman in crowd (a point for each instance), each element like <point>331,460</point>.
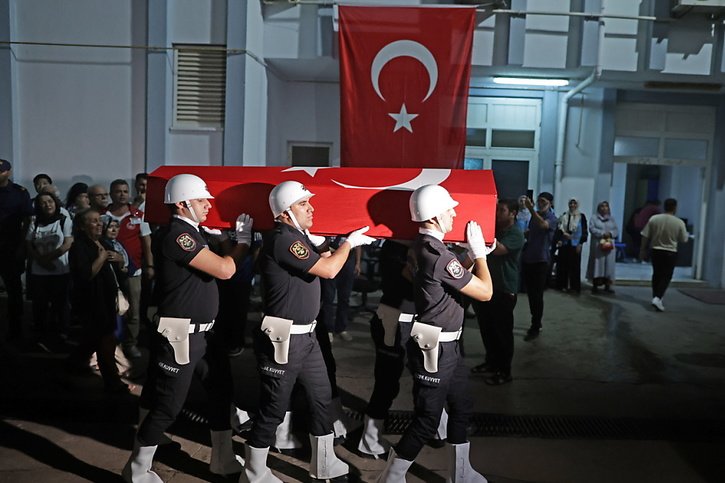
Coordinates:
<point>48,240</point>
<point>120,267</point>
<point>95,288</point>
<point>572,233</point>
<point>602,255</point>
<point>77,199</point>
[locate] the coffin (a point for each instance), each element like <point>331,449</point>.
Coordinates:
<point>345,198</point>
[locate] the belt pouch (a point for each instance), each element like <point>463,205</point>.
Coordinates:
<point>426,336</point>
<point>278,331</point>
<point>176,331</point>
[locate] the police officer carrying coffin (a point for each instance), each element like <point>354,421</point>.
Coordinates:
<point>434,351</point>
<point>390,331</point>
<point>286,346</point>
<point>187,297</point>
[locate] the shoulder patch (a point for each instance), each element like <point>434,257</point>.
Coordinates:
<point>299,250</point>
<point>186,242</point>
<point>455,268</point>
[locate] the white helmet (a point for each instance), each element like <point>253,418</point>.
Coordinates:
<point>286,194</point>
<point>430,201</point>
<point>185,187</point>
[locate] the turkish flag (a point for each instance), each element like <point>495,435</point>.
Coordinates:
<point>404,79</point>
<point>345,198</point>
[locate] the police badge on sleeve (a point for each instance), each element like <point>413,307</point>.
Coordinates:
<point>455,268</point>
<point>186,242</point>
<point>299,250</point>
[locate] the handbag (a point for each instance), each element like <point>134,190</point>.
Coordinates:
<point>122,304</point>
<point>606,244</point>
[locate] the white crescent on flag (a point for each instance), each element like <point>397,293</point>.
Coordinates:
<point>426,176</point>
<point>404,48</point>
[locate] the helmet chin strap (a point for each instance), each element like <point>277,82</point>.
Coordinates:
<point>440,226</point>
<point>191,210</point>
<point>293,218</point>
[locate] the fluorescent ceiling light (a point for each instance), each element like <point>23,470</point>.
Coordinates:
<point>524,81</point>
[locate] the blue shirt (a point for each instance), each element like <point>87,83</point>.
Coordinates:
<point>538,240</point>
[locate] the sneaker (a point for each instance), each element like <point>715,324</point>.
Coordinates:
<point>657,304</point>
<point>345,335</point>
<point>498,379</point>
<point>532,334</point>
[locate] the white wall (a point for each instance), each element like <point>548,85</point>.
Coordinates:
<point>74,106</point>
<point>302,112</point>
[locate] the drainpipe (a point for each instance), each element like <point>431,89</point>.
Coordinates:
<point>561,132</point>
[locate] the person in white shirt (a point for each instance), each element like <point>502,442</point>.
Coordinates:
<point>663,233</point>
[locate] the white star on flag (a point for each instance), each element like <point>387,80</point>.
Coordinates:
<point>402,119</point>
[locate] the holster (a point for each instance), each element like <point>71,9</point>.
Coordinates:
<point>426,336</point>
<point>176,331</point>
<point>278,331</point>
<point>389,317</point>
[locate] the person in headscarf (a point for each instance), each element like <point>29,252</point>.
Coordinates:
<point>573,233</point>
<point>602,255</point>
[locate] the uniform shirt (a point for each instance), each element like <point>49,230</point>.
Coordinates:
<point>397,290</point>
<point>131,229</point>
<point>182,291</point>
<point>664,232</point>
<point>438,280</point>
<point>47,238</point>
<point>290,291</point>
<point>538,242</point>
<point>15,206</point>
<point>504,269</point>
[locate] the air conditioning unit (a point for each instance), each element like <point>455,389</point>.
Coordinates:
<point>682,7</point>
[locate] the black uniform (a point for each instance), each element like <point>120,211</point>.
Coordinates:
<point>184,292</point>
<point>438,281</point>
<point>389,361</point>
<point>290,292</point>
<point>15,207</point>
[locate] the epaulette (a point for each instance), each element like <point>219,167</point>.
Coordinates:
<point>21,188</point>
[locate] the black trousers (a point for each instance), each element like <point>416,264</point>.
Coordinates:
<point>663,266</point>
<point>535,275</point>
<point>51,292</point>
<point>168,384</point>
<point>305,366</point>
<point>389,364</point>
<point>568,269</point>
<point>496,323</point>
<point>335,318</point>
<point>10,271</point>
<point>431,393</point>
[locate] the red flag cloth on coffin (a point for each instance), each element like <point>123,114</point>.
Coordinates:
<point>404,79</point>
<point>345,198</point>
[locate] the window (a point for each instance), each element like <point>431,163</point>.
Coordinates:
<point>200,86</point>
<point>309,154</point>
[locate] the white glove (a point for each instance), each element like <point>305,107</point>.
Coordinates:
<point>243,229</point>
<point>316,240</point>
<point>357,238</point>
<point>214,232</point>
<point>476,244</point>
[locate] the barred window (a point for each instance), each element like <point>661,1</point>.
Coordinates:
<point>199,85</point>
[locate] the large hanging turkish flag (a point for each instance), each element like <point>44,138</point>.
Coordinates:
<point>404,78</point>
<point>345,198</point>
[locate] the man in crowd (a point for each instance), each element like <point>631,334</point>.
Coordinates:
<point>98,198</point>
<point>496,317</point>
<point>134,235</point>
<point>663,233</point>
<point>536,257</point>
<point>15,212</point>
